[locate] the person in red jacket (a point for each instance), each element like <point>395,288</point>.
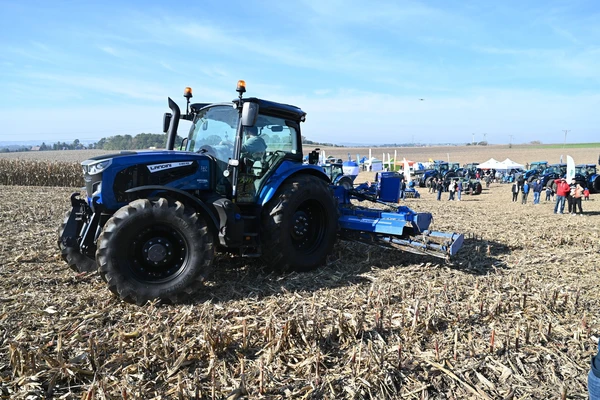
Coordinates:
<point>562,191</point>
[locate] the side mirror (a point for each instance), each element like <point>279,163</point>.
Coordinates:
<point>166,122</point>
<point>249,113</point>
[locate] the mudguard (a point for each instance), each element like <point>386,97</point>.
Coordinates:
<point>283,172</point>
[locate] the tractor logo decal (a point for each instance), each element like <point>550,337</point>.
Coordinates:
<point>161,167</point>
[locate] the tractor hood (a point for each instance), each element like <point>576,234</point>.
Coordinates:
<point>109,177</point>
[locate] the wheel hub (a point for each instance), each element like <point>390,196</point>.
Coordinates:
<point>301,225</point>
<point>156,252</point>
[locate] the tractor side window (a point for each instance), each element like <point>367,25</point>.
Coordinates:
<point>278,135</point>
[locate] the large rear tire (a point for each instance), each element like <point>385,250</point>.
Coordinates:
<point>155,250</point>
<point>345,182</point>
<point>299,225</point>
<point>71,255</point>
<point>428,182</point>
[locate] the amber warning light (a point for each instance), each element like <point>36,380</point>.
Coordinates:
<point>241,86</point>
<point>187,92</point>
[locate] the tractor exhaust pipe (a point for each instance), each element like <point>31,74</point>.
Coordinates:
<point>173,124</point>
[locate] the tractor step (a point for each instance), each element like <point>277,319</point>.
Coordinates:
<point>250,252</point>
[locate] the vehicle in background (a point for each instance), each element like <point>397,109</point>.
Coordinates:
<point>587,176</point>
<point>468,170</point>
<point>552,172</point>
<point>334,169</point>
<point>441,170</point>
<point>536,168</point>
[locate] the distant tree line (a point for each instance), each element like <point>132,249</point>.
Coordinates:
<point>137,142</point>
<point>118,142</point>
<point>306,141</point>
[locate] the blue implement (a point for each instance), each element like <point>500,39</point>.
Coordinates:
<point>398,227</point>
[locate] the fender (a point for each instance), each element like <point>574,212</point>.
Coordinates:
<point>204,208</point>
<point>285,171</point>
<point>594,183</point>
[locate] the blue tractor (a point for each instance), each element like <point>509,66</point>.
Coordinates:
<point>536,168</point>
<point>441,170</point>
<point>151,222</point>
<point>334,169</point>
<point>587,176</point>
<point>551,173</point>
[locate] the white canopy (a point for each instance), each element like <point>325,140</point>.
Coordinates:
<point>510,164</point>
<point>491,163</point>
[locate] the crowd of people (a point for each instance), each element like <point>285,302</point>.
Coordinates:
<point>454,188</point>
<point>569,194</point>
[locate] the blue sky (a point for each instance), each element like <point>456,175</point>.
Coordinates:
<point>499,71</point>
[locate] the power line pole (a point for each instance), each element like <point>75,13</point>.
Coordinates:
<point>566,131</point>
<point>510,141</point>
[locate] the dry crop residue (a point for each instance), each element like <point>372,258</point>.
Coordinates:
<point>512,316</point>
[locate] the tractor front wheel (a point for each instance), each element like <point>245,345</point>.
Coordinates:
<point>299,225</point>
<point>71,255</point>
<point>155,250</point>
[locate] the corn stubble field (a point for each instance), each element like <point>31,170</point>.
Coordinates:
<point>514,315</point>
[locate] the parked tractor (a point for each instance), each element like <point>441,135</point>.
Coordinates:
<point>587,176</point>
<point>536,169</point>
<point>441,170</point>
<point>334,169</point>
<point>468,170</point>
<point>471,186</point>
<point>552,172</point>
<point>152,221</point>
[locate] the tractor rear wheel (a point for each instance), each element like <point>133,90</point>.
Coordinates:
<point>299,225</point>
<point>155,250</point>
<point>345,182</point>
<point>71,255</point>
<point>428,182</point>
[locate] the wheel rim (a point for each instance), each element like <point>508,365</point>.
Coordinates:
<point>158,253</point>
<point>308,226</point>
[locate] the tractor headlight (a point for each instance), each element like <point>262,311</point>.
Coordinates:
<point>98,167</point>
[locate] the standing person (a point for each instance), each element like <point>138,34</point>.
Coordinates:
<point>440,189</point>
<point>571,196</point>
<point>433,187</point>
<point>537,191</point>
<point>451,189</point>
<point>515,192</point>
<point>586,194</point>
<point>402,188</point>
<point>577,195</point>
<point>525,190</point>
<point>548,193</point>
<point>562,191</point>
<point>458,189</point>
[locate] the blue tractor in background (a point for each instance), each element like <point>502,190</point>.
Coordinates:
<point>551,173</point>
<point>587,176</point>
<point>151,222</point>
<point>441,170</point>
<point>536,168</point>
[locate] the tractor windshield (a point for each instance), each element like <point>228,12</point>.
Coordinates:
<point>213,131</point>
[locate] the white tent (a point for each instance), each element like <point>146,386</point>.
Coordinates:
<point>509,164</point>
<point>491,163</point>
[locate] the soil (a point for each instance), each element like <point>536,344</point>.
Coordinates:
<point>514,315</point>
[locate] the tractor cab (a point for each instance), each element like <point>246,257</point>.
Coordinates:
<point>249,139</point>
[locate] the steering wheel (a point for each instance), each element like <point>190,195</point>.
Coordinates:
<point>208,149</point>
